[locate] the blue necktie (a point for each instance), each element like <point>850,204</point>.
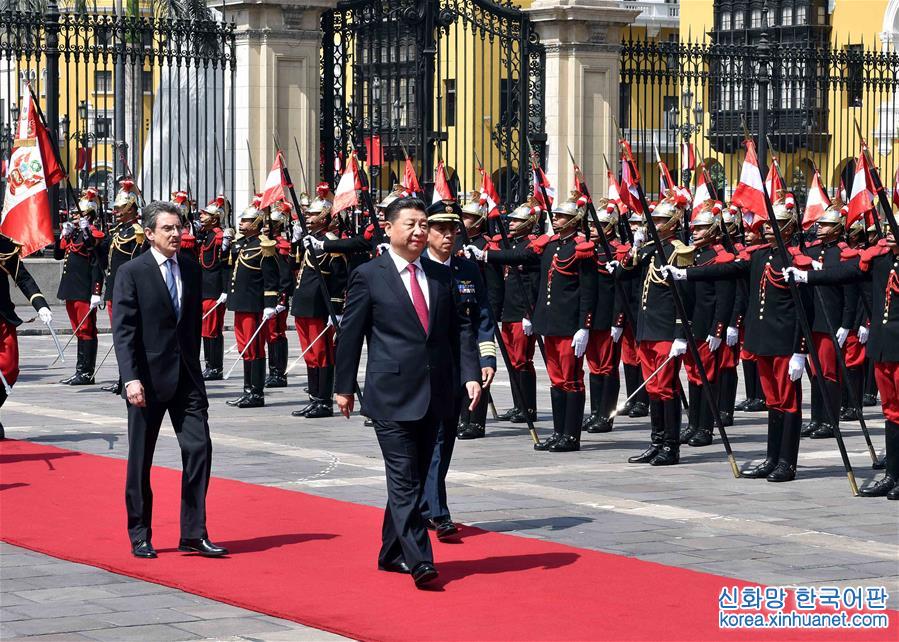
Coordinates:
<point>172,286</point>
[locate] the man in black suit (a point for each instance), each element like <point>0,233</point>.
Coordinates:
<point>156,329</point>
<point>421,348</point>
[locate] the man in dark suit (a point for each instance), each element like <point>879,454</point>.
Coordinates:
<point>421,348</point>
<point>156,329</point>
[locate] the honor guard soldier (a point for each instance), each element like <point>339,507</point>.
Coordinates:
<point>638,406</point>
<point>854,347</point>
<point>517,328</point>
<point>660,334</point>
<point>276,337</point>
<point>566,298</point>
<point>474,217</point>
<point>181,200</point>
<point>712,307</point>
<point>471,297</point>
<point>755,396</point>
<point>310,310</point>
<point>773,335</point>
<point>730,352</point>
<point>834,306</point>
<point>81,283</point>
<point>213,246</point>
<point>254,299</point>
<point>363,246</point>
<point>603,354</point>
<point>878,264</point>
<point>124,241</point>
<point>11,264</point>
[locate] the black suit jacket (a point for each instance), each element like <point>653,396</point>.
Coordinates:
<point>408,371</point>
<point>151,344</point>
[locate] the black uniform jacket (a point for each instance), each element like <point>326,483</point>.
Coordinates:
<point>566,292</point>
<point>82,273</point>
<point>838,302</point>
<point>712,301</point>
<point>255,277</point>
<point>609,309</point>
<point>123,242</point>
<point>11,264</point>
<point>408,371</point>
<point>521,290</point>
<point>308,299</point>
<point>475,304</point>
<point>213,262</point>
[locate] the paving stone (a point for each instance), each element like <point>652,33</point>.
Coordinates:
<point>148,616</point>
<point>160,632</point>
<point>232,626</point>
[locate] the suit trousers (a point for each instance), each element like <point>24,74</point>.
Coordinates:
<point>407,447</point>
<point>188,413</point>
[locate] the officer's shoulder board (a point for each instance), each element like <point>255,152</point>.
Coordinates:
<point>682,255</point>
<point>138,233</point>
<point>268,246</point>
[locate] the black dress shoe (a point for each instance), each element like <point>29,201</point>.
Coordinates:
<point>320,409</point>
<point>757,405</point>
<point>276,381</point>
<point>202,546</point>
<point>687,433</point>
<point>667,456</point>
<point>521,417</point>
<point>549,441</point>
<point>394,567</point>
<point>424,573</point>
<point>240,399</point>
<point>69,379</point>
<point>808,428</point>
<point>445,528</point>
<point>869,400</point>
<point>727,419</point>
<point>848,414</point>
<point>472,431</point>
<point>628,407</point>
<point>783,472</point>
<point>640,409</point>
<point>368,423</point>
<point>824,431</point>
<point>646,456</point>
<point>880,488</point>
<point>507,416</point>
<point>143,549</point>
<point>114,388</point>
<point>743,405</point>
<point>762,470</point>
<point>603,424</point>
<point>565,444</point>
<point>81,379</point>
<point>302,411</point>
<point>894,494</point>
<point>702,437</point>
<point>250,401</point>
<point>212,374</point>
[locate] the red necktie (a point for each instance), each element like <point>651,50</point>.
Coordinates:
<point>418,298</point>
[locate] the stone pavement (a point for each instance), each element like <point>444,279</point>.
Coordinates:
<point>695,515</point>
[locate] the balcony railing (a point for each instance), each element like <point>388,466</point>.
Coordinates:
<point>656,13</point>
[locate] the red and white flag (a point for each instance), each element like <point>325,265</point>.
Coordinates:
<point>614,194</point>
<point>540,179</point>
<point>345,195</point>
<point>773,184</point>
<point>273,190</point>
<point>687,156</point>
<point>701,195</point>
<point>816,203</point>
<point>749,193</point>
<point>32,168</point>
<point>665,177</point>
<point>896,188</point>
<point>861,197</point>
<point>442,191</point>
<point>489,193</point>
<point>410,178</point>
<point>630,195</point>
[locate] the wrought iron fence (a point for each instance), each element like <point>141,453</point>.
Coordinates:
<point>805,99</point>
<point>138,95</point>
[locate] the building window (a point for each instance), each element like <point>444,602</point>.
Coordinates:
<point>855,75</point>
<point>670,105</point>
<point>755,20</point>
<point>739,20</point>
<point>822,15</point>
<point>725,21</point>
<point>449,91</point>
<point>801,15</point>
<point>786,17</point>
<point>103,126</point>
<point>103,82</point>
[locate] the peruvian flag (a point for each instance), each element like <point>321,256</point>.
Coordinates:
<point>84,159</point>
<point>32,168</point>
<point>539,178</point>
<point>614,194</point>
<point>861,199</point>
<point>896,188</point>
<point>488,191</point>
<point>687,156</point>
<point>410,178</point>
<point>773,184</point>
<point>345,196</point>
<point>273,190</point>
<point>630,196</point>
<point>817,202</point>
<point>442,191</point>
<point>665,176</point>
<point>749,193</point>
<point>702,194</point>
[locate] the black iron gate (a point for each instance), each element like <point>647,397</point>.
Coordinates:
<point>434,79</point>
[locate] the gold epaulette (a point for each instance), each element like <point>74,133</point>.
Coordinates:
<point>138,233</point>
<point>269,246</point>
<point>682,255</point>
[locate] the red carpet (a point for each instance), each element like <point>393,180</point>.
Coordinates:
<point>312,560</point>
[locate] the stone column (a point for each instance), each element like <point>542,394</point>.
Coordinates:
<point>277,88</point>
<point>582,76</point>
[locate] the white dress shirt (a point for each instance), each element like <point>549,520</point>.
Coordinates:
<point>176,272</point>
<point>402,266</point>
<point>447,263</point>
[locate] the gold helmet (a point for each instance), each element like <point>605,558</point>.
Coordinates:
<point>216,207</point>
<point>671,208</point>
<point>396,193</point>
<point>607,214</point>
<point>528,212</point>
<point>252,212</point>
<point>476,206</point>
<point>731,217</point>
<point>834,214</point>
<point>126,196</point>
<point>574,206</point>
<point>785,209</point>
<point>708,215</point>
<point>88,204</point>
<point>321,205</point>
<point>857,229</point>
<point>281,213</point>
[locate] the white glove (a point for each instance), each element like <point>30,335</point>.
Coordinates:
<point>526,327</point>
<point>297,233</point>
<point>383,247</point>
<point>45,315</point>
<point>842,335</point>
<point>678,347</point>
<point>733,335</point>
<point>863,334</point>
<point>679,274</point>
<point>616,333</point>
<point>475,253</point>
<point>222,297</point>
<point>196,225</point>
<point>339,319</point>
<point>579,342</point>
<point>279,309</point>
<point>67,228</point>
<point>313,243</point>
<point>95,301</point>
<point>800,276</point>
<point>268,313</point>
<point>611,266</point>
<point>84,224</point>
<point>817,265</point>
<point>714,342</point>
<point>639,237</point>
<point>227,237</point>
<point>797,366</point>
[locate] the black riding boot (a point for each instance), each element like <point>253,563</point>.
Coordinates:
<point>749,382</point>
<point>79,365</point>
<point>207,356</point>
<point>759,403</point>
<point>727,395</point>
<point>88,363</point>
<point>641,401</point>
<point>694,393</point>
<point>247,385</point>
<point>702,436</point>
<point>596,385</point>
<point>528,382</point>
<point>817,411</point>
<point>789,449</point>
<point>517,403</point>
<point>277,364</point>
<point>217,358</point>
<point>853,390</point>
<point>631,383</point>
<point>657,433</point>
<point>557,398</point>
<point>610,390</point>
<point>324,398</point>
<point>312,386</point>
<point>572,422</point>
<point>825,430</point>
<point>256,398</point>
<point>670,451</point>
<point>886,485</point>
<point>775,436</point>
